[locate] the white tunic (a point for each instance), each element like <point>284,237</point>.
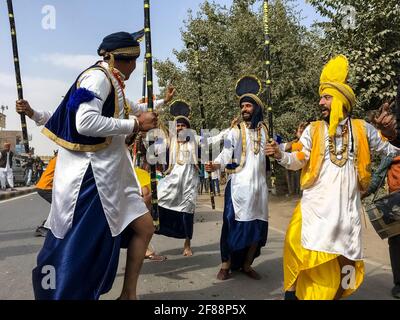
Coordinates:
<point>116,182</point>
<point>178,190</point>
<point>249,188</point>
<point>331,208</point>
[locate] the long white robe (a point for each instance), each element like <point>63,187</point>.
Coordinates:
<point>249,188</point>
<point>178,189</point>
<point>331,208</point>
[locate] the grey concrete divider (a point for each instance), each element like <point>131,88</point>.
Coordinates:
<point>6,195</point>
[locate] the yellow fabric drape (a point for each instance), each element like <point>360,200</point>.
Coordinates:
<point>311,171</point>
<point>362,160</point>
<point>315,275</point>
<point>143,177</point>
<point>362,152</point>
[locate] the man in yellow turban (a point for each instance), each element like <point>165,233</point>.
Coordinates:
<point>323,251</point>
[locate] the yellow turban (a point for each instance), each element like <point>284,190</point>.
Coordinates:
<point>333,83</point>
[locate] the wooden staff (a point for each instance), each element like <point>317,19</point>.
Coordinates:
<point>150,107</point>
<point>18,73</point>
<point>268,83</point>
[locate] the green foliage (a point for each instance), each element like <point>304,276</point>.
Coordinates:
<point>373,46</point>
<point>231,45</point>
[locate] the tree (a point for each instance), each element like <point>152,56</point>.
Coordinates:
<point>231,44</point>
<point>368,32</point>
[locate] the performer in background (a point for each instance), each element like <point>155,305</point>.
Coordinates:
<point>177,190</point>
<point>96,193</point>
<point>323,252</point>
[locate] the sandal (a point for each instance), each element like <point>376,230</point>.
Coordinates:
<point>155,257</point>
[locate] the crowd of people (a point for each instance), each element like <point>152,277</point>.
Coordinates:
<point>32,167</point>
<point>100,203</point>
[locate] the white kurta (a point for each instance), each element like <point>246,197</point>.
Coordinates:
<point>178,190</point>
<point>249,188</point>
<point>331,208</point>
<point>118,187</point>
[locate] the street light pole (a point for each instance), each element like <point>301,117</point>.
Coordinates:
<point>3,117</point>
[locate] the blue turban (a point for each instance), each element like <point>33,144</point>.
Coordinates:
<point>121,44</point>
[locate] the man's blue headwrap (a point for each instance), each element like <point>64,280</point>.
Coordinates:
<point>121,44</point>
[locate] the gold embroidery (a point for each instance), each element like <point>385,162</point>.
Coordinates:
<point>76,146</point>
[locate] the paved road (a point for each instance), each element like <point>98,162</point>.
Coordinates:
<point>177,278</point>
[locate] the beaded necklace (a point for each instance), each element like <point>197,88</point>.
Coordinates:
<point>127,108</point>
<point>340,157</point>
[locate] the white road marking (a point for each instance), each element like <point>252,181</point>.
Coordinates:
<point>16,198</point>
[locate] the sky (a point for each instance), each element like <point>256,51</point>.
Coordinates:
<point>54,51</point>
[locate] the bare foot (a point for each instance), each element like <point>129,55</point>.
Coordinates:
<point>223,274</point>
<point>149,253</point>
<point>187,252</point>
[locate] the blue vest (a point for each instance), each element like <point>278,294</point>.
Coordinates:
<point>61,127</point>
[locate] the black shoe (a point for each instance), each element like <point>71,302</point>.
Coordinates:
<point>41,231</point>
<point>396,291</point>
<point>290,295</point>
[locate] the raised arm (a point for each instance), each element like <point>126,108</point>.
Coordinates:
<point>378,144</point>
<point>40,117</point>
<point>295,160</point>
<point>138,108</point>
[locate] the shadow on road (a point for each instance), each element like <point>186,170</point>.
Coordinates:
<point>18,251</point>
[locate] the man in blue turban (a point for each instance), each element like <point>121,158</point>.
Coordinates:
<point>245,220</point>
<point>97,206</point>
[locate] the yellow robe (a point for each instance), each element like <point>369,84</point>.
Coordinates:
<point>317,275</point>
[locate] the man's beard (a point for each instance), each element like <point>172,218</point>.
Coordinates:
<point>247,116</point>
<point>325,118</point>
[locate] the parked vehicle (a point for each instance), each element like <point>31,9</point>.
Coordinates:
<point>18,171</point>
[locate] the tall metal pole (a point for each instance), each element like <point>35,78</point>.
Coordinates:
<point>268,82</point>
<point>150,107</point>
<point>18,72</point>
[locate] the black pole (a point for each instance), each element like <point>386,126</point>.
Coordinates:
<point>18,72</point>
<point>268,82</point>
<point>203,117</point>
<point>144,81</point>
<point>397,105</point>
<point>397,108</point>
<point>150,107</point>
